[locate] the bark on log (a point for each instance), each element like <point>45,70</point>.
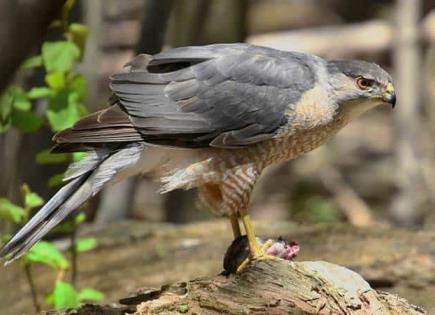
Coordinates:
<point>265,287</point>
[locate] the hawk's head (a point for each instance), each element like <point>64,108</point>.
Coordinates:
<point>360,85</point>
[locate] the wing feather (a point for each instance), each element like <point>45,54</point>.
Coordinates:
<point>218,95</point>
<point>225,95</point>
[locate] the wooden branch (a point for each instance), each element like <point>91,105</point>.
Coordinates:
<point>267,287</point>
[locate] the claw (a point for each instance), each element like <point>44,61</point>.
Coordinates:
<point>261,255</point>
<point>238,254</point>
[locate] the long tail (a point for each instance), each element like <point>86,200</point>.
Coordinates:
<point>86,177</point>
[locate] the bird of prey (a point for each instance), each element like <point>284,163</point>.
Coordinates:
<point>211,117</point>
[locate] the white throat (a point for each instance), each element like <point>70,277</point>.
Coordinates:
<point>355,108</point>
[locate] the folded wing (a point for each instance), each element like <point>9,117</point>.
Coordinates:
<point>227,95</point>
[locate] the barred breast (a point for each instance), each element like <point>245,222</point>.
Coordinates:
<point>192,168</point>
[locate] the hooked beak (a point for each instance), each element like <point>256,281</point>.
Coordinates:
<point>389,95</point>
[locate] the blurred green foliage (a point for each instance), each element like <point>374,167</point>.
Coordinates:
<point>58,104</point>
<point>64,295</point>
<point>63,94</point>
<point>315,209</point>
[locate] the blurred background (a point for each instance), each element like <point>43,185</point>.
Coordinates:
<point>380,170</point>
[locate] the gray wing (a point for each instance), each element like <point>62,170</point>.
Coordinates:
<point>218,95</point>
<point>226,95</point>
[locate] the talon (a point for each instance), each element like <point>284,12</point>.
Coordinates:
<point>238,254</point>
<point>262,254</point>
<point>248,260</point>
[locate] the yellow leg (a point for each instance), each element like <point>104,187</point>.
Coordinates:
<point>263,249</point>
<point>235,225</point>
<point>254,247</point>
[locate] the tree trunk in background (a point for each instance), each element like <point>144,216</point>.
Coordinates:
<point>23,25</point>
<point>117,200</point>
<point>200,22</point>
<point>154,25</point>
<point>428,164</point>
<point>22,28</point>
<point>406,60</point>
<point>93,18</point>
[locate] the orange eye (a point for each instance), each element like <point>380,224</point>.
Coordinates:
<point>363,83</point>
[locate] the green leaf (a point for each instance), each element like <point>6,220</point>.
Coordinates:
<point>47,254</point>
<point>55,80</point>
<point>88,294</point>
<point>11,211</point>
<point>5,125</point>
<point>78,85</point>
<point>32,62</point>
<point>56,24</point>
<point>183,308</point>
<point>78,156</point>
<point>64,228</point>
<point>66,9</point>
<point>79,34</point>
<point>56,180</point>
<point>80,218</point>
<point>26,121</point>
<point>39,92</point>
<point>63,110</point>
<point>86,244</point>
<point>83,111</point>
<point>4,238</point>
<point>60,55</point>
<point>31,199</point>
<point>5,111</point>
<point>19,98</point>
<point>49,299</point>
<point>46,157</point>
<point>64,295</point>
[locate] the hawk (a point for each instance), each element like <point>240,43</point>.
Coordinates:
<point>211,117</point>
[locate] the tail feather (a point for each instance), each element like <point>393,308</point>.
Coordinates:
<point>25,234</point>
<point>86,165</point>
<point>85,183</point>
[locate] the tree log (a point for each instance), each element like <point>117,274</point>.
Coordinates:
<point>131,255</point>
<point>265,287</point>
